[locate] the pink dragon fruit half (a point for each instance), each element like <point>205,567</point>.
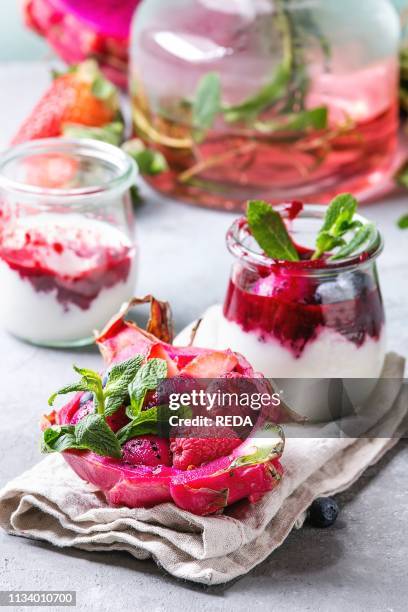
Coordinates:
<point>249,471</point>
<point>78,29</point>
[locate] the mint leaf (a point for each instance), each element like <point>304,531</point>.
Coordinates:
<point>207,101</point>
<point>149,161</point>
<point>337,222</point>
<point>363,235</point>
<point>119,377</point>
<point>90,381</point>
<point>146,422</point>
<point>315,118</point>
<point>403,222</point>
<point>58,439</point>
<point>147,379</point>
<point>94,434</point>
<point>269,230</point>
<point>268,95</point>
<point>75,387</point>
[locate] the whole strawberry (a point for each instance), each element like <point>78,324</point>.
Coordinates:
<point>82,96</point>
<point>191,452</point>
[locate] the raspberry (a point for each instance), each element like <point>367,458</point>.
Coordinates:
<point>192,452</point>
<point>147,450</point>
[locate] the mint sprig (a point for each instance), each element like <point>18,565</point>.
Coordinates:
<point>147,379</point>
<point>269,230</point>
<point>120,376</point>
<point>110,398</point>
<point>91,433</point>
<point>340,229</point>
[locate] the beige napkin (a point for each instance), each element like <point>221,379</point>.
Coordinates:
<point>49,502</point>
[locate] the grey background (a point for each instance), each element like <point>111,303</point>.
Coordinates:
<point>361,563</point>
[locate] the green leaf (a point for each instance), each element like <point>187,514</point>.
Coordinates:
<point>269,230</point>
<point>149,161</point>
<point>207,101</point>
<point>112,133</point>
<point>116,390</point>
<point>75,387</point>
<point>94,434</point>
<point>341,207</point>
<point>363,235</point>
<point>403,222</point>
<point>90,381</point>
<point>315,118</point>
<point>338,221</point>
<point>147,379</point>
<point>58,439</point>
<point>146,422</point>
<point>266,97</point>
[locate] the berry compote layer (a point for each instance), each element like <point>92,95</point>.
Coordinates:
<point>63,275</point>
<point>298,325</point>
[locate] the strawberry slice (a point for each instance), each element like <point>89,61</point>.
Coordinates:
<point>211,365</point>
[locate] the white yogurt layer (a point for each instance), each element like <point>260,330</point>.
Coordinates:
<point>38,316</point>
<point>330,355</point>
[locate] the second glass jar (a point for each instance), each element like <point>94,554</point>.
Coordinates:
<point>67,255</point>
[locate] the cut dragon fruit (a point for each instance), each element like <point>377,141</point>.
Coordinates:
<point>250,469</point>
<point>78,29</point>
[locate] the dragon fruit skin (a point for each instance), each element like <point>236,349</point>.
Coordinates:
<point>202,491</point>
<point>217,485</point>
<point>74,36</point>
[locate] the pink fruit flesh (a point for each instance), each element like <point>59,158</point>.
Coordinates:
<point>147,450</point>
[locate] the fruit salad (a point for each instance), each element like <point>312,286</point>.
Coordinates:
<point>110,435</point>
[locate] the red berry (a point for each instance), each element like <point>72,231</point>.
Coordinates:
<point>192,452</point>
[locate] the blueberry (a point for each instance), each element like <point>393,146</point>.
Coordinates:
<point>323,512</point>
<point>85,397</point>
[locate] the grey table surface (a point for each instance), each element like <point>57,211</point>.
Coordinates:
<point>360,563</point>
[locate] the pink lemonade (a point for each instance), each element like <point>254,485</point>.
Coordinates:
<point>348,98</point>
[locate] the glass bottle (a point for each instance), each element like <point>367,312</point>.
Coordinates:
<point>272,99</point>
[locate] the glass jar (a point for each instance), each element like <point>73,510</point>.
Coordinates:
<point>304,319</point>
<point>277,99</point>
<point>67,256</point>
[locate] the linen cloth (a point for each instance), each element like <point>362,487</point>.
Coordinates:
<point>50,503</point>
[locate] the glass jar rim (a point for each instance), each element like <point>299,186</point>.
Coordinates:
<point>125,166</point>
<point>239,230</point>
